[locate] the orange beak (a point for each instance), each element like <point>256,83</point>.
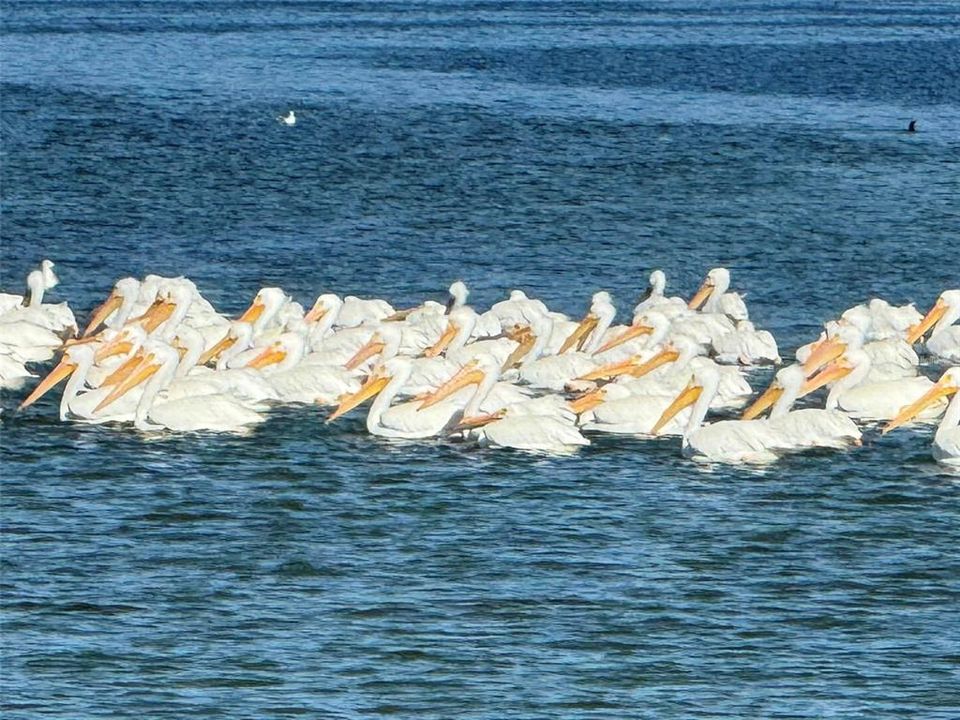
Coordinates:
<point>527,340</point>
<point>373,385</point>
<point>685,399</point>
<point>316,313</point>
<point>103,312</point>
<point>701,296</point>
<point>824,352</point>
<point>467,375</point>
<point>253,313</point>
<point>445,339</point>
<point>931,318</point>
<point>612,370</point>
<point>941,389</point>
<point>764,402</point>
<point>667,355</point>
<point>55,376</point>
<point>588,401</point>
<point>155,315</point>
<point>373,347</point>
<point>579,336</point>
<point>123,372</point>
<point>114,347</point>
<point>830,374</point>
<point>630,333</point>
<point>146,369</point>
<point>214,353</point>
<point>271,355</point>
<point>479,421</point>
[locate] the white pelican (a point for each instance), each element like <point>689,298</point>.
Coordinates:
<point>290,119</point>
<point>665,369</point>
<point>728,441</point>
<point>852,392</point>
<point>809,427</point>
<point>13,372</point>
<point>746,346</point>
<point>612,408</point>
<point>75,364</point>
<point>654,299</point>
<point>882,320</point>
<point>545,424</point>
<point>117,308</point>
<point>946,440</point>
<point>714,298</point>
<point>403,421</point>
<point>518,309</point>
<point>456,345</point>
<point>890,358</point>
<point>26,342</point>
<point>300,383</point>
<point>944,341</point>
<point>208,412</point>
<point>58,318</point>
<point>458,294</point>
<point>357,311</point>
<point>648,330</point>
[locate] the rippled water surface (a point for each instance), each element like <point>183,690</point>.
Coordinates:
<point>311,570</point>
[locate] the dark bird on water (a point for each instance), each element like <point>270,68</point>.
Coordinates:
<point>912,127</point>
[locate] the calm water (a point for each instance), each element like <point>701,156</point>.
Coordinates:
<point>314,571</point>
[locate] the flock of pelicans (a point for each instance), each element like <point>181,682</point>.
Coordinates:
<point>157,354</point>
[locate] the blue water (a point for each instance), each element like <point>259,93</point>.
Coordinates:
<point>311,570</point>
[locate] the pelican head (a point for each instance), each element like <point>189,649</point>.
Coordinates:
<point>460,324</point>
<point>716,283</point>
<point>284,352</point>
<point>74,357</point>
<point>947,385</point>
<point>458,296</point>
<point>788,381</point>
<point>948,302</point>
<point>705,381</point>
<point>395,369</point>
<point>473,372</point>
<point>325,304</point>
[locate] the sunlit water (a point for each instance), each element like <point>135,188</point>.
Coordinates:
<point>313,570</point>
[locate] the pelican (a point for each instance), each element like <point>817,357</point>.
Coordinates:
<point>13,373</point>
<point>890,358</point>
<point>808,427</point>
<point>883,320</point>
<point>30,308</point>
<point>746,346</point>
<point>207,412</point>
<point>294,382</point>
<point>728,441</point>
<point>654,299</point>
<point>667,368</point>
<point>290,119</point>
<point>26,342</point>
<point>714,298</point>
<point>946,440</point>
<point>117,308</point>
<point>75,364</point>
<point>545,424</point>
<point>517,309</point>
<point>852,391</point>
<point>944,341</point>
<point>458,294</point>
<point>403,421</point>
<point>357,311</point>
<point>612,408</point>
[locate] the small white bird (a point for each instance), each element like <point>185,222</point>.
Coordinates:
<point>289,119</point>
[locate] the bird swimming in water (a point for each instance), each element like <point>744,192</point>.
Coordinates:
<point>289,119</point>
<point>912,127</point>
